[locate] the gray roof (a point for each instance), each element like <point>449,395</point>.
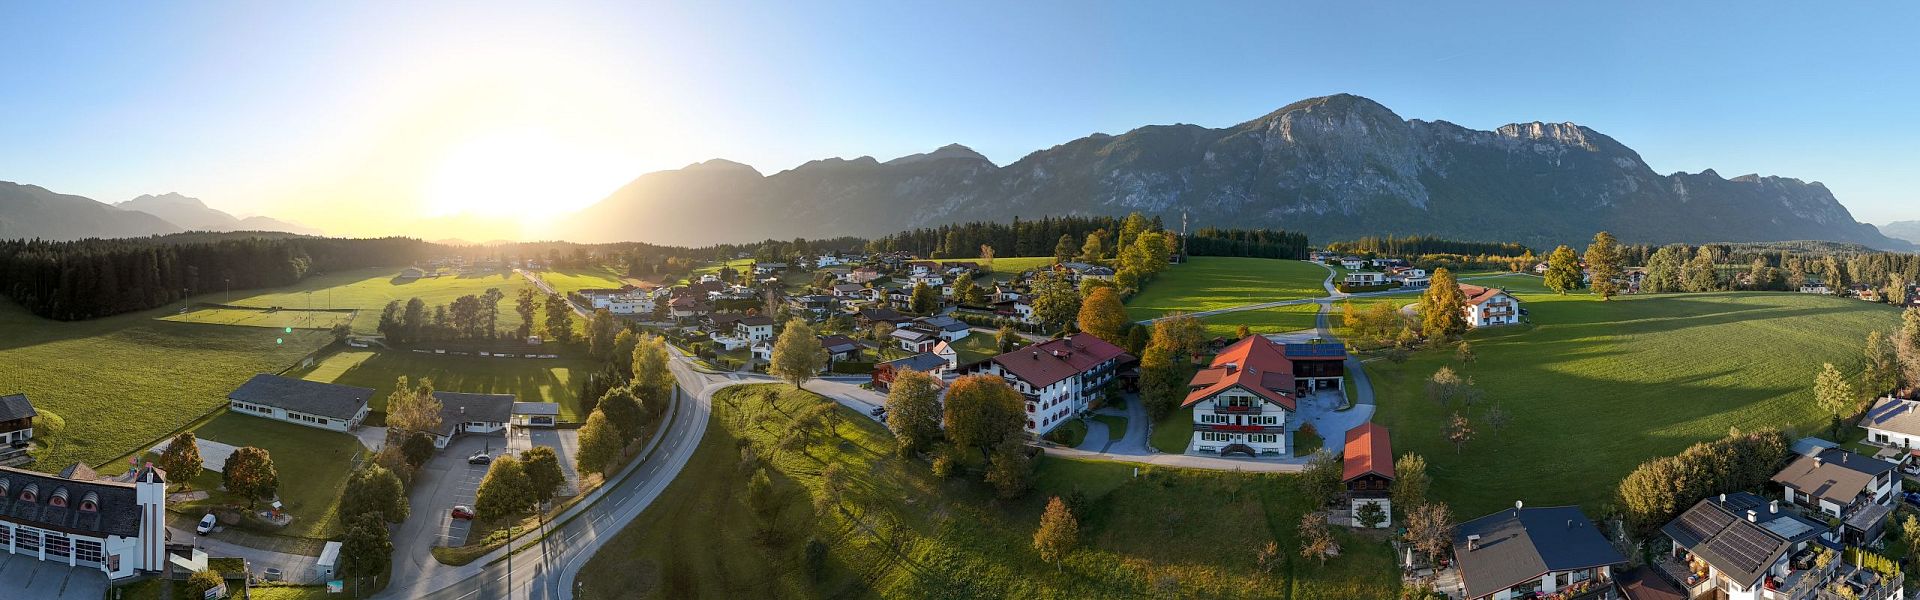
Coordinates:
<point>16,407</point>
<point>118,506</point>
<point>1893,414</point>
<point>1833,474</point>
<point>912,335</point>
<point>1718,532</point>
<point>299,395</point>
<point>944,323</point>
<point>550,409</point>
<point>919,362</point>
<point>1521,544</point>
<point>1809,446</point>
<point>457,407</point>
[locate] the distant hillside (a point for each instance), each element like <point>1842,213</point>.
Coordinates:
<point>31,211</point>
<point>1336,167</point>
<point>191,213</point>
<point>1902,230</point>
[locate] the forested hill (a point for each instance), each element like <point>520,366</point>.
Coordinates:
<point>1337,167</point>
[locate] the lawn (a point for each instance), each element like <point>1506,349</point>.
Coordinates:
<point>568,280</point>
<point>312,463</point>
<point>1213,282</point>
<point>263,317</point>
<point>1595,388</point>
<point>900,533</point>
<point>369,290</point>
<point>976,346</point>
<point>1005,268</point>
<point>121,383</point>
<point>528,379</point>
<point>1278,319</point>
<point>1172,434</point>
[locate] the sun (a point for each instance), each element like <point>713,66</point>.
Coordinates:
<point>528,174</point>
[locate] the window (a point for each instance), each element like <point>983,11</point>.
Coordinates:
<point>6,536</point>
<point>27,539</point>
<point>58,545</point>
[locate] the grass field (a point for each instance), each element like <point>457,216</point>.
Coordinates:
<point>568,280</point>
<point>1006,267</point>
<point>313,465</point>
<point>369,290</point>
<point>1278,319</point>
<point>263,317</point>
<point>528,379</point>
<point>904,534</point>
<point>1172,434</point>
<point>1212,282</point>
<point>122,382</point>
<point>1594,388</point>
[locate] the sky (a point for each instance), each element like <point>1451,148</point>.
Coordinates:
<point>487,119</point>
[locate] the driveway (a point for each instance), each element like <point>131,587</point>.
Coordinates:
<point>443,482</point>
<point>294,568</point>
<point>22,577</point>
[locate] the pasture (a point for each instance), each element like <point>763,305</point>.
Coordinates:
<point>1594,388</point>
<point>122,382</point>
<point>1006,267</point>
<point>1279,319</point>
<point>898,532</point>
<point>1214,282</point>
<point>369,291</point>
<point>263,317</point>
<point>528,379</point>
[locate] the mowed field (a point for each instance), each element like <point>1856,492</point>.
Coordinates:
<point>1278,319</point>
<point>122,382</point>
<point>369,290</point>
<point>313,465</point>
<point>1005,268</point>
<point>1214,282</point>
<point>1594,388</point>
<point>901,533</point>
<point>263,317</point>
<point>528,379</point>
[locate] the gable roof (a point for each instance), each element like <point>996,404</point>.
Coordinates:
<point>1833,474</point>
<point>1897,415</point>
<point>117,504</point>
<point>1368,451</point>
<point>16,407</point>
<point>458,407</point>
<point>334,401</point>
<point>1052,361</point>
<point>1717,530</point>
<point>1521,544</point>
<point>923,362</point>
<point>1254,364</point>
<point>1480,295</point>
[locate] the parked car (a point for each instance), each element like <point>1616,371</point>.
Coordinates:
<point>479,459</point>
<point>206,524</point>
<point>1911,498</point>
<point>273,575</point>
<point>463,512</point>
<point>877,411</point>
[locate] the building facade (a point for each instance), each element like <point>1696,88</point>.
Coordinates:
<point>1244,401</point>
<point>1489,306</point>
<point>1058,377</point>
<point>116,525</point>
<point>301,402</point>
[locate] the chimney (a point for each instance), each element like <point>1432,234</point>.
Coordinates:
<point>1817,461</point>
<point>1517,505</point>
<point>1473,542</point>
<point>1753,516</point>
<point>1723,497</point>
<point>1773,507</point>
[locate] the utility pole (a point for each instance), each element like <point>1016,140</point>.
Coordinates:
<point>1183,236</point>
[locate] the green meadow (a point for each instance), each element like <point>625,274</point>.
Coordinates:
<point>1215,282</point>
<point>528,379</point>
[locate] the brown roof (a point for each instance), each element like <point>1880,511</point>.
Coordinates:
<point>1477,295</point>
<point>1642,583</point>
<point>1255,364</point>
<point>1051,361</point>
<point>1833,474</point>
<point>1368,451</point>
<point>1893,414</point>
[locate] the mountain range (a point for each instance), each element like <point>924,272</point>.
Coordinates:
<point>31,211</point>
<point>1335,167</point>
<point>1902,230</point>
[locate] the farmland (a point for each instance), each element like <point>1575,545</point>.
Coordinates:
<point>1213,282</point>
<point>900,533</point>
<point>263,317</point>
<point>1593,388</point>
<point>1278,319</point>
<point>369,290</point>
<point>1006,268</point>
<point>528,379</point>
<point>122,382</point>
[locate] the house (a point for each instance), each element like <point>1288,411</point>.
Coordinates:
<point>301,402</point>
<point>754,328</point>
<point>914,339</point>
<point>116,525</point>
<point>471,413</point>
<point>1353,263</point>
<point>16,419</point>
<point>855,292</point>
<point>768,268</point>
<point>1368,473</point>
<point>1023,312</point>
<point>867,317</point>
<point>1526,552</point>
<point>535,414</point>
<point>1412,277</point>
<point>687,307</point>
<point>947,328</point>
<point>922,268</point>
<point>1865,292</point>
<point>931,280</point>
<point>1813,285</point>
<point>1858,490</point>
<point>828,260</point>
<point>884,373</point>
<point>1058,377</point>
<point>1079,271</point>
<point>1489,306</point>
<point>813,305</point>
<point>838,348</point>
<point>1741,545</point>
<point>411,273</point>
<point>946,352</point>
<point>862,275</point>
<point>1244,400</point>
<point>1365,278</point>
<point>1891,422</point>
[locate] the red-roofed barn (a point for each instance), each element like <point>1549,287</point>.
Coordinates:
<point>1369,470</point>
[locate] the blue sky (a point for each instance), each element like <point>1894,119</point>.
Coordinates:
<point>324,113</point>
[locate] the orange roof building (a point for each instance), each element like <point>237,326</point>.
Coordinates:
<point>1244,400</point>
<point>1369,471</point>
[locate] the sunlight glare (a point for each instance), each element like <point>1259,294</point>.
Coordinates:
<point>528,174</point>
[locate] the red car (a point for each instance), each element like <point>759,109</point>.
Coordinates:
<point>462,512</point>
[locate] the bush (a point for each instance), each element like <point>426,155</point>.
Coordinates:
<point>816,559</point>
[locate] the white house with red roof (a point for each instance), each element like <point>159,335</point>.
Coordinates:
<point>1368,473</point>
<point>1244,400</point>
<point>1058,377</point>
<point>1489,306</point>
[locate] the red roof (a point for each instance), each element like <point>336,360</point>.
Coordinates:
<point>1476,294</point>
<point>1255,364</point>
<point>1051,361</point>
<point>1368,451</point>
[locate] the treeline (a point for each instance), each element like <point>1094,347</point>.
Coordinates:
<point>95,278</point>
<point>1018,238</point>
<point>1418,245</point>
<point>1662,488</point>
<point>1256,243</point>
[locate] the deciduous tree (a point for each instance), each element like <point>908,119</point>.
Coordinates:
<point>797,356</point>
<point>1055,301</point>
<point>372,489</point>
<point>365,548</point>
<point>559,318</point>
<point>1321,480</point>
<point>1443,307</point>
<point>600,444</point>
<point>1410,482</point>
<point>1563,270</point>
<point>982,410</point>
<point>249,473</point>
<point>1059,532</point>
<point>924,300</point>
<point>181,460</point>
<point>623,410</point>
<point>505,493</point>
<point>1459,431</point>
<point>1834,394</point>
<point>1009,469</point>
<point>913,411</point>
<point>544,475</point>
<point>1316,539</point>
<point>1430,529</point>
<point>1102,315</point>
<point>412,409</point>
<point>1604,265</point>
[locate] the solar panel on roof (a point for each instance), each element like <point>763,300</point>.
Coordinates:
<point>1704,523</point>
<point>1748,547</point>
<point>1788,528</point>
<point>1316,349</point>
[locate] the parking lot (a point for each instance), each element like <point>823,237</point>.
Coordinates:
<point>460,484</point>
<point>23,577</point>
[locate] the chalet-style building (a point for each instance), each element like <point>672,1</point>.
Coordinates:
<point>117,525</point>
<point>1244,400</point>
<point>947,353</point>
<point>884,373</point>
<point>1489,306</point>
<point>1058,377</point>
<point>1858,490</point>
<point>301,402</point>
<point>16,419</point>
<point>1528,552</point>
<point>471,413</point>
<point>1743,545</point>
<point>1369,471</point>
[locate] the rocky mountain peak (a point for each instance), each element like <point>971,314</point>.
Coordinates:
<point>1564,133</point>
<point>949,151</point>
<point>167,199</point>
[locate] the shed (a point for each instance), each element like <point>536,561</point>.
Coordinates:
<point>329,559</point>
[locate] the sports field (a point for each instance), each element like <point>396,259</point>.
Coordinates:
<point>528,379</point>
<point>1213,282</point>
<point>1594,388</point>
<point>369,290</point>
<point>263,317</point>
<point>122,382</point>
